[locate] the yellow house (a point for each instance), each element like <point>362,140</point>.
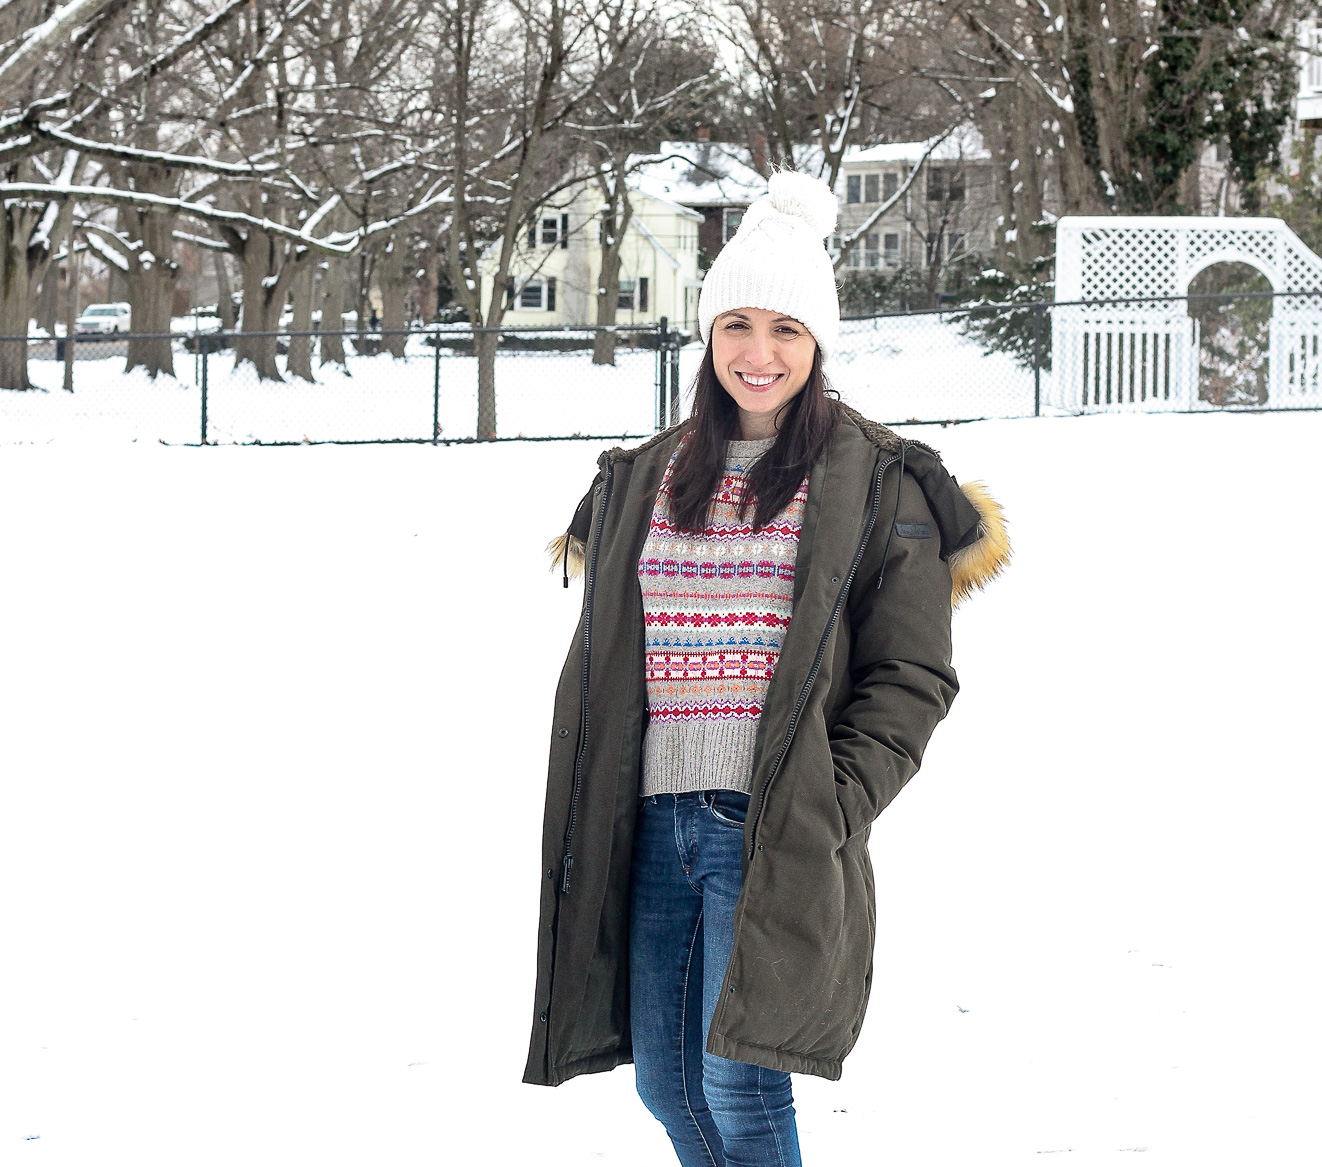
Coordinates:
<point>553,276</point>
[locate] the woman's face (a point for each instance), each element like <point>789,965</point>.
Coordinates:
<point>762,360</point>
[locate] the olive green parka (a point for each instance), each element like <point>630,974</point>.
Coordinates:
<point>864,676</point>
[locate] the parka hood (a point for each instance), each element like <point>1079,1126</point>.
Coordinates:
<point>974,540</point>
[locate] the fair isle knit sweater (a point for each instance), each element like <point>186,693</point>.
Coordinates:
<point>716,606</point>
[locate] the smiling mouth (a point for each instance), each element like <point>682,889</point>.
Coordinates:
<point>758,383</point>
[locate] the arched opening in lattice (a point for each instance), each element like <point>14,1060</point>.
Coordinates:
<point>1124,339</point>
<point>1231,304</point>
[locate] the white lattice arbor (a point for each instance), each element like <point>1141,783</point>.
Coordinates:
<point>1144,355</point>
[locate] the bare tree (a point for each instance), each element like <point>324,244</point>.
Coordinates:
<point>653,68</point>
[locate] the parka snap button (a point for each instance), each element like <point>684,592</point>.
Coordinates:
<point>835,579</point>
<point>542,1018</point>
<point>564,732</point>
<point>550,873</point>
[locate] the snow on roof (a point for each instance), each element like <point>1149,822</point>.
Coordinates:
<point>657,191</point>
<point>700,174</point>
<point>964,143</point>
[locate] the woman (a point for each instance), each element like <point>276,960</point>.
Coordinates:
<point>763,654</point>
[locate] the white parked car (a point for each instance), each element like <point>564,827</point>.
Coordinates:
<point>103,318</point>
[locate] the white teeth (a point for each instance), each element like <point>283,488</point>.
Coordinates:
<point>758,381</point>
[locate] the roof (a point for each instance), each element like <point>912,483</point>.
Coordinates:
<point>658,192</point>
<point>699,174</point>
<point>965,143</point>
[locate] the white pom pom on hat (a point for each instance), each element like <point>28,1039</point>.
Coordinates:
<point>777,260</point>
<point>806,198</point>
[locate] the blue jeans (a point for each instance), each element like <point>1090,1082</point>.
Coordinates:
<point>687,872</point>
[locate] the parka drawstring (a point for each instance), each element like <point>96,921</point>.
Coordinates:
<point>895,518</point>
<point>564,563</point>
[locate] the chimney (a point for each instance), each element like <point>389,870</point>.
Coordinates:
<point>760,153</point>
<point>704,133</point>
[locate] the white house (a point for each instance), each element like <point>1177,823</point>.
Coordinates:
<point>554,274</point>
<point>718,180</point>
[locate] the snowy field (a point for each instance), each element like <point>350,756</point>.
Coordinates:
<point>893,368</point>
<point>275,734</point>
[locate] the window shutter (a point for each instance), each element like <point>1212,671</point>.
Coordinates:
<point>550,294</point>
<point>642,293</point>
<point>509,292</point>
<point>564,230</point>
<point>532,231</point>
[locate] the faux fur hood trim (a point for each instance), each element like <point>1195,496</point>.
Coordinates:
<point>972,566</point>
<point>975,566</point>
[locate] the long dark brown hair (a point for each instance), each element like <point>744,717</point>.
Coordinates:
<point>806,424</point>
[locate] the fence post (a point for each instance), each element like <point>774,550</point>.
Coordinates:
<point>661,346</point>
<point>202,350</point>
<point>674,380</point>
<point>436,389</point>
<point>1037,360</point>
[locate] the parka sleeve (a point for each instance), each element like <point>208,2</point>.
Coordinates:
<point>903,680</point>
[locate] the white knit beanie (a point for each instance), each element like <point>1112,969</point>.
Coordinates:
<point>777,260</point>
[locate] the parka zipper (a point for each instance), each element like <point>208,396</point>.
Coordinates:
<point>821,649</point>
<point>568,861</point>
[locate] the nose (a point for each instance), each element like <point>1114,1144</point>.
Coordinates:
<point>760,350</point>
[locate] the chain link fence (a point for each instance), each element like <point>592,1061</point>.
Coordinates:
<point>1169,354</point>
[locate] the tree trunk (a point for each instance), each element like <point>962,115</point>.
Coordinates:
<point>48,301</point>
<point>608,301</point>
<point>266,276</point>
<point>224,293</point>
<point>427,284</point>
<point>16,227</point>
<point>299,363</point>
<point>485,344</point>
<point>333,281</point>
<point>619,213</point>
<point>14,323</point>
<point>150,279</point>
<point>71,267</point>
<point>391,280</point>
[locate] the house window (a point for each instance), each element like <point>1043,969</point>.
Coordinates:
<point>538,295</point>
<point>955,245</point>
<point>891,249</point>
<point>733,217</point>
<point>1313,74</point>
<point>642,293</point>
<point>944,185</point>
<point>870,188</point>
<point>834,246</point>
<point>550,229</point>
<point>625,300</point>
<point>532,295</point>
<point>889,185</point>
<point>854,188</point>
<point>872,251</point>
<point>855,259</point>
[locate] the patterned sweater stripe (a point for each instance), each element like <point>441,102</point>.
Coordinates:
<point>716,605</point>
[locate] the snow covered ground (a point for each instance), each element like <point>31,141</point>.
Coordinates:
<point>893,368</point>
<point>273,758</point>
